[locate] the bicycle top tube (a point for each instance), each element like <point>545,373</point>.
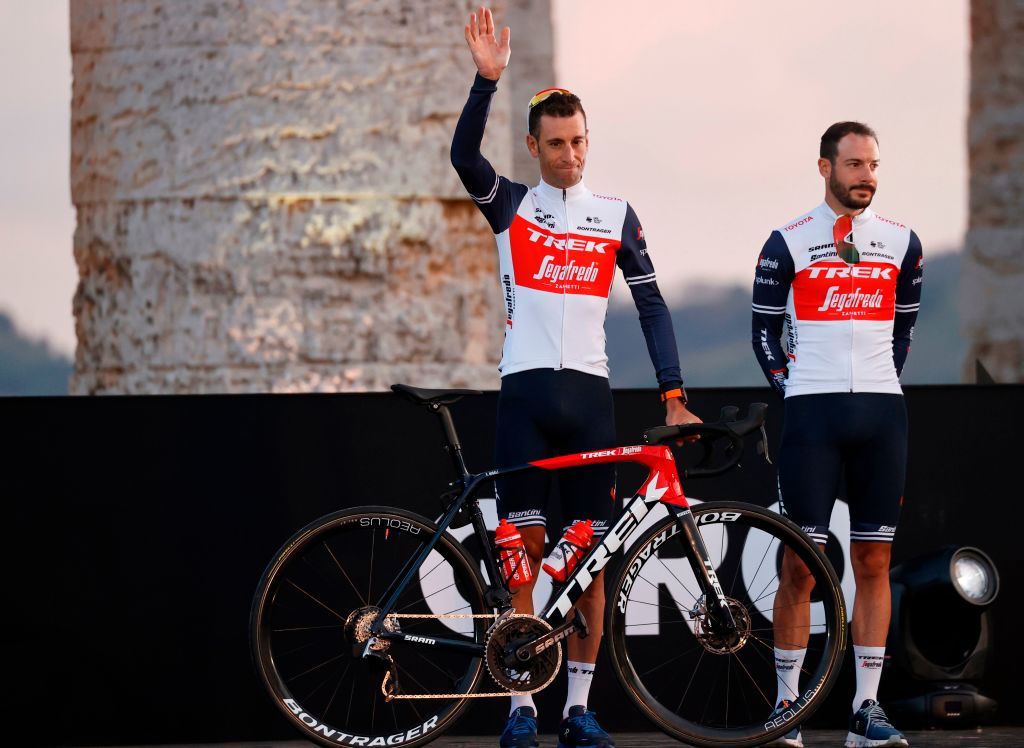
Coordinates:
<point>658,459</point>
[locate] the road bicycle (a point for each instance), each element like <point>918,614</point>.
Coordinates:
<point>374,626</point>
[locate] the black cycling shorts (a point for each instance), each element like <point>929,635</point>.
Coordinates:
<point>546,413</point>
<point>862,435</point>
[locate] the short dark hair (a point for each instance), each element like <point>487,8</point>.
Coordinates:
<point>830,140</point>
<point>555,105</point>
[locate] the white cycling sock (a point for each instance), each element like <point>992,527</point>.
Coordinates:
<point>581,674</point>
<point>787,672</point>
<point>523,700</point>
<point>868,661</point>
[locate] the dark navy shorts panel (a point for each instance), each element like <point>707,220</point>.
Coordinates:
<point>861,437</point>
<point>544,413</point>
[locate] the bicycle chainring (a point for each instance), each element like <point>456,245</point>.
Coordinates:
<point>521,677</point>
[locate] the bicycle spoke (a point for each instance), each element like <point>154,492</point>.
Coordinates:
<point>319,602</point>
<point>363,600</point>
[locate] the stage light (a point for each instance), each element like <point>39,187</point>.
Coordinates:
<point>974,576</point>
<point>940,639</point>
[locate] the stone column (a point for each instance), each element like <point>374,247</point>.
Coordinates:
<point>266,202</point>
<point>992,287</point>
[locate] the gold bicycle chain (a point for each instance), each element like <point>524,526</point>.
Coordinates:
<point>484,695</point>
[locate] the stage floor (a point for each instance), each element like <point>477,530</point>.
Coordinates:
<point>989,737</point>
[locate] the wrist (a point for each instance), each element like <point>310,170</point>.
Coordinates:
<point>677,395</point>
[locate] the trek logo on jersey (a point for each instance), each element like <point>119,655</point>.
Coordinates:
<point>833,291</point>
<point>561,263</point>
<point>573,243</point>
<point>845,271</point>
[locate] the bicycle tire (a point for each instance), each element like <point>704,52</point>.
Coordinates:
<point>708,697</point>
<point>302,628</point>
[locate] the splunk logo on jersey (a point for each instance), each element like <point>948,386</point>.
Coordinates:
<point>572,243</point>
<point>344,738</point>
<point>845,271</point>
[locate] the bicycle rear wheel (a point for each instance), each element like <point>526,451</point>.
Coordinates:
<point>310,618</point>
<point>694,686</point>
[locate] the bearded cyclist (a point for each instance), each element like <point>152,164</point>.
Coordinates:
<point>847,283</point>
<point>558,245</point>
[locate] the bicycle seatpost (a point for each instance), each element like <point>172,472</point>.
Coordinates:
<point>453,445</point>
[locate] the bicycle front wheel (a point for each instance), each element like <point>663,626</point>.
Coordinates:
<point>702,688</point>
<point>310,627</point>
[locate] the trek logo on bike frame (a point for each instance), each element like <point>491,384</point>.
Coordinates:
<point>344,738</point>
<point>613,540</point>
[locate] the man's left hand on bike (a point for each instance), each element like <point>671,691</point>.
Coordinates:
<point>677,414</point>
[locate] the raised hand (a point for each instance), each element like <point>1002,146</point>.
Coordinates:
<point>490,55</point>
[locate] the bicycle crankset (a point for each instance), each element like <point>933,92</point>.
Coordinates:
<point>510,634</point>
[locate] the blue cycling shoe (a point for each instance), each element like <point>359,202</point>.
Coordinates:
<point>869,727</point>
<point>793,738</point>
<point>520,730</point>
<point>580,728</point>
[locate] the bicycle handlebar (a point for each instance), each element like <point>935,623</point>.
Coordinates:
<point>726,427</point>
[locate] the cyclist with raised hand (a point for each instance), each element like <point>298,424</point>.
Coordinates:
<point>847,282</point>
<point>558,245</point>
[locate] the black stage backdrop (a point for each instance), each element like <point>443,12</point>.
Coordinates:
<point>141,526</point>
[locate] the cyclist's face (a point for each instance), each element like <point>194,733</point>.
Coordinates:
<point>561,149</point>
<point>853,179</point>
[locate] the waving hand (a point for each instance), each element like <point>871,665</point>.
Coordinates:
<point>490,55</point>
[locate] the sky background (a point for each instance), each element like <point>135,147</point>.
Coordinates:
<point>706,117</point>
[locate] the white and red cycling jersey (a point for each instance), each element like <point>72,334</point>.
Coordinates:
<point>849,325</point>
<point>558,250</point>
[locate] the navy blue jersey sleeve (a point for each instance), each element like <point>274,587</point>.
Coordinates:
<point>908,301</point>
<point>655,320</point>
<point>497,197</point>
<point>772,280</point>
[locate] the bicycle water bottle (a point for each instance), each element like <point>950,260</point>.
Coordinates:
<point>569,550</point>
<point>512,558</point>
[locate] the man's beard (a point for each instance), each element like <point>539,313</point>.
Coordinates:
<point>842,194</point>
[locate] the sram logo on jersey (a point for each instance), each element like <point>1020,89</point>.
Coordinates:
<point>834,291</point>
<point>561,263</point>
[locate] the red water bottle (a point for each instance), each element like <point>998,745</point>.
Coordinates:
<point>569,550</point>
<point>515,564</point>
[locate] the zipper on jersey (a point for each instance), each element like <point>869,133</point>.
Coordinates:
<point>565,264</point>
<point>852,328</point>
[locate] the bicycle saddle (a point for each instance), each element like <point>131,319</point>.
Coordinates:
<point>426,397</point>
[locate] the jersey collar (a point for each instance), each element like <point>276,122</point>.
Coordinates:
<point>858,220</point>
<point>577,191</point>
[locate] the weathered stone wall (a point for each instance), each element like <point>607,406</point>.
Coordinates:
<point>993,272</point>
<point>265,199</point>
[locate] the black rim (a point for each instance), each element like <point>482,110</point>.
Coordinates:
<point>699,687</point>
<point>308,625</point>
